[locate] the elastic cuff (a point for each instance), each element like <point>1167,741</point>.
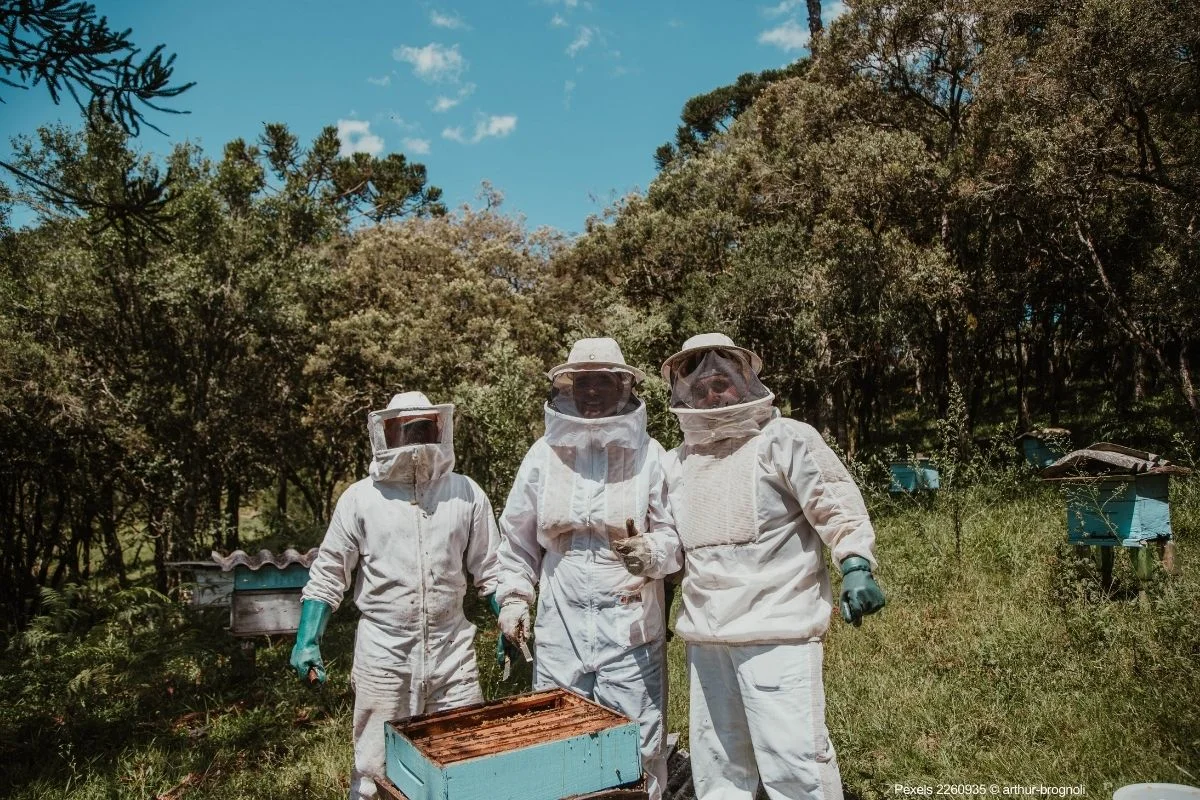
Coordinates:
<point>855,564</point>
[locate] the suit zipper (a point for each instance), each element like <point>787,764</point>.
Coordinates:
<point>420,516</point>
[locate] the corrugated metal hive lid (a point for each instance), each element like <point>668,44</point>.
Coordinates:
<point>240,558</point>
<point>1107,459</point>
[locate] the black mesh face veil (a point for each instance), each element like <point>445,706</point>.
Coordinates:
<point>592,393</point>
<point>406,430</point>
<point>714,378</point>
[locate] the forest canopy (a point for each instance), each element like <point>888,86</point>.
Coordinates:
<point>947,200</point>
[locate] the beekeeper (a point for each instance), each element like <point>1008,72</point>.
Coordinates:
<point>755,496</point>
<point>408,528</point>
<point>600,629</point>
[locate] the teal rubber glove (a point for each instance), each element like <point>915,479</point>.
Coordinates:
<point>306,654</point>
<point>861,595</point>
<point>503,647</point>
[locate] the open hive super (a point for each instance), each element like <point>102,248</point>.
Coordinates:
<point>541,746</point>
<point>508,725</point>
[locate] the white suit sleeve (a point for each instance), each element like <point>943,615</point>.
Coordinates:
<point>331,571</point>
<point>665,547</point>
<point>520,554</point>
<point>482,544</point>
<point>831,501</point>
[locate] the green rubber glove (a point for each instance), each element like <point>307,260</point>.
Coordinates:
<point>503,647</point>
<point>501,650</point>
<point>306,654</point>
<point>861,595</point>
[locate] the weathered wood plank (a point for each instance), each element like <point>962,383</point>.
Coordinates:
<point>269,613</point>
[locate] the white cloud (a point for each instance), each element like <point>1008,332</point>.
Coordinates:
<point>356,137</point>
<point>788,36</point>
<point>434,62</point>
<point>832,11</point>
<point>384,81</point>
<point>557,21</point>
<point>784,7</point>
<point>568,90</point>
<point>581,41</point>
<point>495,126</point>
<point>486,127</point>
<point>419,147</point>
<point>444,103</point>
<point>446,21</point>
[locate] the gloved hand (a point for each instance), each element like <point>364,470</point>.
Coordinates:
<point>306,654</point>
<point>635,552</point>
<point>861,595</point>
<point>514,620</point>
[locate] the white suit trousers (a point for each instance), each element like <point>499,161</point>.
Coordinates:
<point>758,715</point>
<point>380,699</point>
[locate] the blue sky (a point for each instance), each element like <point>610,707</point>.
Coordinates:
<point>560,104</point>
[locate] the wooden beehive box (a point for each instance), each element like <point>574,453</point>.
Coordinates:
<point>911,477</point>
<point>1043,446</point>
<point>541,746</point>
<point>1116,496</point>
<point>1126,511</point>
<point>266,591</point>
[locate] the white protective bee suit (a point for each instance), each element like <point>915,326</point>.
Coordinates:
<point>756,497</point>
<point>600,631</point>
<point>408,529</point>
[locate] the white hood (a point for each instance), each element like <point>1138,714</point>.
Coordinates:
<point>415,464</point>
<point>702,426</point>
<point>623,430</point>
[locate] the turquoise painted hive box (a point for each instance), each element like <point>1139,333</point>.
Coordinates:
<point>1043,446</point>
<point>266,590</point>
<point>1124,511</point>
<point>541,746</point>
<point>910,477</point>
<point>1116,496</point>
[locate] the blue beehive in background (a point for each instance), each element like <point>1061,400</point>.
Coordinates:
<point>913,476</point>
<point>1118,497</point>
<point>1043,446</point>
<point>266,590</point>
<point>1127,511</point>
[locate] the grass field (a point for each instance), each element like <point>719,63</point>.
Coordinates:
<point>997,660</point>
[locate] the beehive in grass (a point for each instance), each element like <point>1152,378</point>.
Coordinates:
<point>1041,447</point>
<point>914,476</point>
<point>266,590</point>
<point>1116,496</point>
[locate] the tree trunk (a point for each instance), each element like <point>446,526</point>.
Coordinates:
<point>114,556</point>
<point>281,494</point>
<point>815,26</point>
<point>1185,380</point>
<point>158,532</point>
<point>1024,418</point>
<point>233,502</point>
